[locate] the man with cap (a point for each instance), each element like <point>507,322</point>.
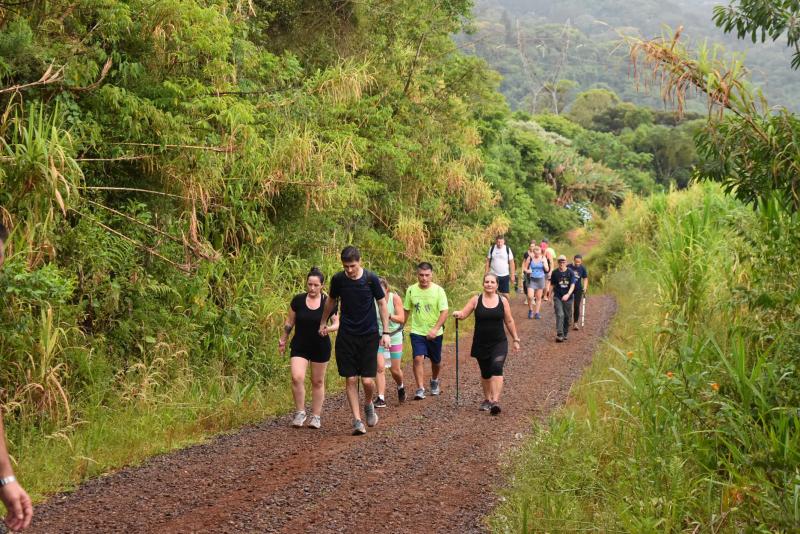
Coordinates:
<point>562,287</point>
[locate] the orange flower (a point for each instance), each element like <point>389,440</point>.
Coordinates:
<point>630,354</point>
<point>714,386</point>
<point>670,374</point>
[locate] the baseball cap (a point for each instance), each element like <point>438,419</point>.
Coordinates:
<point>562,258</point>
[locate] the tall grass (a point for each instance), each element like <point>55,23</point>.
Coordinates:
<point>687,419</point>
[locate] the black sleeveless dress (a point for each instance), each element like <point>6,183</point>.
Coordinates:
<point>489,339</point>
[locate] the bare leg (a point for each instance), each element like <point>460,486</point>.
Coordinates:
<point>380,377</point>
<point>531,298</point>
<point>369,389</point>
<point>538,297</point>
<point>352,396</point>
<point>397,371</point>
<point>419,371</point>
<point>299,366</point>
<point>496,387</point>
<point>317,387</point>
<point>436,368</point>
<point>486,385</point>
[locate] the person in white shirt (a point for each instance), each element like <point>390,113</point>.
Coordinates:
<point>500,262</point>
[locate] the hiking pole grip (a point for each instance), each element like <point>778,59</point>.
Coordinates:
<point>457,397</point>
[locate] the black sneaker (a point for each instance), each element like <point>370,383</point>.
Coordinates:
<point>495,409</point>
<point>379,402</point>
<point>401,394</point>
<point>559,339</point>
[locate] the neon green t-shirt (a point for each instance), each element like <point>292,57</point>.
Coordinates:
<point>425,306</point>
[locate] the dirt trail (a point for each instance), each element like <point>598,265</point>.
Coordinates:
<point>427,467</point>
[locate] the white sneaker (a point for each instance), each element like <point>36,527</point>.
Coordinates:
<point>299,419</point>
<point>314,422</point>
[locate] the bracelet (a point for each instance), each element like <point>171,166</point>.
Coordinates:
<point>7,480</point>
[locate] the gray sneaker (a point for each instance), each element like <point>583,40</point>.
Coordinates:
<point>372,417</point>
<point>358,428</point>
<point>299,419</point>
<point>314,422</point>
<point>435,387</point>
<point>486,405</point>
<point>420,394</point>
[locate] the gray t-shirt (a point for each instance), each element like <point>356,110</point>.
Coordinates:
<point>498,260</point>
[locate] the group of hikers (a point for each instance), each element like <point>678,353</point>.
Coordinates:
<point>370,318</point>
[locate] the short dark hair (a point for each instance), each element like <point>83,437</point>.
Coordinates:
<point>3,233</point>
<point>350,253</point>
<point>499,236</point>
<point>424,266</point>
<point>316,272</point>
<point>577,257</point>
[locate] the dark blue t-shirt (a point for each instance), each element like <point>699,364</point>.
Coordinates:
<point>562,280</point>
<point>357,302</point>
<point>580,273</point>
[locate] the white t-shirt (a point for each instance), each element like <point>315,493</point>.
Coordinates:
<point>498,260</point>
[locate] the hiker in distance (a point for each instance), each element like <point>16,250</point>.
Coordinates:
<point>394,353</point>
<point>19,510</point>
<point>308,345</point>
<point>426,302</point>
<point>562,287</point>
<point>500,262</point>
<point>356,290</point>
<point>489,341</point>
<point>581,287</point>
<point>535,269</point>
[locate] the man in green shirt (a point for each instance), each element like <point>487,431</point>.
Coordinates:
<point>427,304</point>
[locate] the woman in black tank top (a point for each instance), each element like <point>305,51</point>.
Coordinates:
<point>489,342</point>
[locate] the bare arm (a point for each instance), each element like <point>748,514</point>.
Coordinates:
<point>330,304</point>
<point>508,319</point>
<point>334,326</point>
<point>512,267</point>
<point>435,330</point>
<point>287,329</point>
<point>18,504</point>
<point>383,310</point>
<point>399,316</point>
<point>464,312</point>
<point>526,264</point>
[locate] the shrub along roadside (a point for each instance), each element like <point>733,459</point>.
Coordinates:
<point>688,419</point>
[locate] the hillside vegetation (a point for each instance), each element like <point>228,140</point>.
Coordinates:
<point>171,171</point>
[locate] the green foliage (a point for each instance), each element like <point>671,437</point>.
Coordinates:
<point>687,421</point>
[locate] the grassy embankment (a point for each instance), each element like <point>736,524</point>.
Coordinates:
<point>687,419</point>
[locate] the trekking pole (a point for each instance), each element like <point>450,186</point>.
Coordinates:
<point>457,398</point>
<point>583,311</point>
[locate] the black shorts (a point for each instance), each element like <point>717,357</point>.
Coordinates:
<point>357,355</point>
<point>492,366</point>
<point>312,356</point>
<point>503,283</point>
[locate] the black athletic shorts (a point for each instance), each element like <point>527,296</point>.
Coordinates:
<point>357,355</point>
<point>492,366</point>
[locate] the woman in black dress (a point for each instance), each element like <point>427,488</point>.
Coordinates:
<point>305,314</point>
<point>489,342</point>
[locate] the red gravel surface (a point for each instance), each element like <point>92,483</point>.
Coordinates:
<point>428,466</point>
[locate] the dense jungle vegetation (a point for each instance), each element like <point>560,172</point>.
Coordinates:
<point>170,172</point>
<point>689,421</point>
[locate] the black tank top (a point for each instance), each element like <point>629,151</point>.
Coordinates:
<point>489,323</point>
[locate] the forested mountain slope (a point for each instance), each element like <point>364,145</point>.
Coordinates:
<point>533,43</point>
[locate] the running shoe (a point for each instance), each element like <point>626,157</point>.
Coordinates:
<point>435,387</point>
<point>314,422</point>
<point>530,314</point>
<point>420,394</point>
<point>559,339</point>
<point>358,427</point>
<point>401,394</point>
<point>576,327</point>
<point>299,419</point>
<point>372,417</point>
<point>379,402</point>
<point>485,405</point>
<point>495,409</point>
<point>537,316</point>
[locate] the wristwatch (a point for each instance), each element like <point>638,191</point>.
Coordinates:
<point>7,480</point>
